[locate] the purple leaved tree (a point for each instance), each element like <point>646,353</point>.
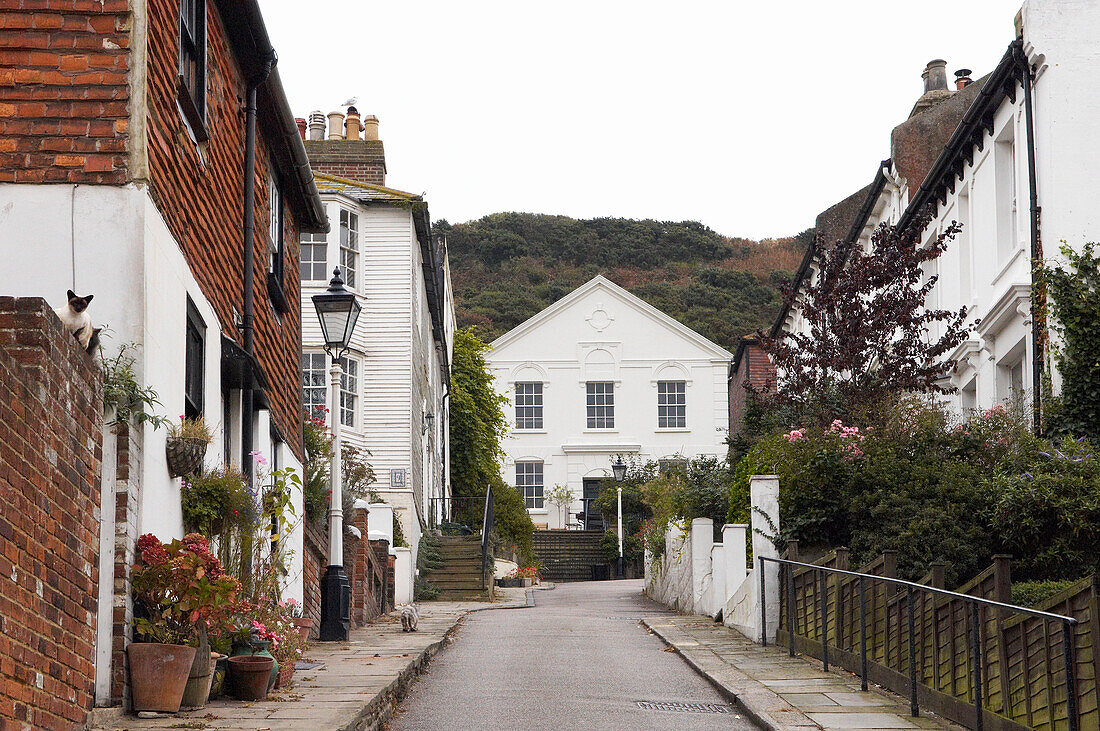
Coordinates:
<point>869,332</point>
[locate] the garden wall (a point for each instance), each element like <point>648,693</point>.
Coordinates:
<point>50,452</point>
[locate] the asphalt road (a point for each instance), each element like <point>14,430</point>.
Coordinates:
<point>577,660</point>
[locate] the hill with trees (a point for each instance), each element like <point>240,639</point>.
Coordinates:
<point>506,267</point>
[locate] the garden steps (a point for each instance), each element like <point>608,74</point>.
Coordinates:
<point>568,555</point>
<point>459,577</point>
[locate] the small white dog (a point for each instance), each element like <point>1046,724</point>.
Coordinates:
<point>410,616</point>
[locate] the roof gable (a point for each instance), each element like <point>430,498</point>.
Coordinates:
<point>603,285</point>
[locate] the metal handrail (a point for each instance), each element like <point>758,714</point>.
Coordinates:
<point>486,528</point>
<point>1068,647</point>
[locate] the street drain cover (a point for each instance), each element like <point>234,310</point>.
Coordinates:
<point>684,707</point>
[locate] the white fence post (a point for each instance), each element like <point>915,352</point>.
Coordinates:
<point>718,579</point>
<point>702,538</point>
<point>764,497</point>
<point>735,539</point>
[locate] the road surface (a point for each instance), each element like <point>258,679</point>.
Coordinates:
<point>577,660</point>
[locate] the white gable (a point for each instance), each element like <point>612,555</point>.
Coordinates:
<point>601,313</point>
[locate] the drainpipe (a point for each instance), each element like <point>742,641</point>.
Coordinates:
<point>1038,310</point>
<point>247,328</point>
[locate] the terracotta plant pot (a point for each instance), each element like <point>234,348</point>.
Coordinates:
<point>197,692</point>
<point>158,675</point>
<point>184,456</point>
<point>251,676</point>
<point>305,626</point>
<point>286,672</point>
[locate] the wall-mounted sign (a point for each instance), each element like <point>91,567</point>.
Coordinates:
<point>397,478</point>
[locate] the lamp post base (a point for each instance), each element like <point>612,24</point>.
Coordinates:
<point>335,605</point>
<point>619,568</point>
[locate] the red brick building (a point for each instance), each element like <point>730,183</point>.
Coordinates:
<point>751,368</point>
<point>148,156</point>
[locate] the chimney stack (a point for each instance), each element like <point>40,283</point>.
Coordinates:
<point>962,79</point>
<point>301,123</point>
<point>316,125</point>
<point>336,125</point>
<point>353,125</point>
<point>935,76</point>
<point>346,146</point>
<point>370,127</point>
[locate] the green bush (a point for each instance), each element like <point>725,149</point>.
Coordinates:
<point>1034,593</point>
<point>511,523</point>
<point>215,503</point>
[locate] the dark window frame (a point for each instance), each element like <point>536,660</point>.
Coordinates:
<point>191,74</point>
<point>276,255</point>
<point>194,374</point>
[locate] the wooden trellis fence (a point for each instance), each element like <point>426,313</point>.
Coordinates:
<point>1023,668</point>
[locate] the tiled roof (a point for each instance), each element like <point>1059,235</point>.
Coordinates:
<point>361,191</point>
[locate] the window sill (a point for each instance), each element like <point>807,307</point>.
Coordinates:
<point>276,294</point>
<point>672,430</point>
<point>528,431</point>
<point>538,511</point>
<point>191,114</point>
<point>601,431</point>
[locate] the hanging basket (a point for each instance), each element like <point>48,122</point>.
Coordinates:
<point>185,455</point>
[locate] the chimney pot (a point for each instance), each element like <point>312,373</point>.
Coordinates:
<point>370,127</point>
<point>336,125</point>
<point>316,125</point>
<point>301,127</point>
<point>353,124</point>
<point>962,79</point>
<point>935,76</point>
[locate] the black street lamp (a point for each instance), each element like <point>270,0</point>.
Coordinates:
<point>618,470</point>
<point>338,310</point>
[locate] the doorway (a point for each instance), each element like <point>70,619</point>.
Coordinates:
<point>593,519</point>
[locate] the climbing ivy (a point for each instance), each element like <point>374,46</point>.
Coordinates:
<point>1075,304</point>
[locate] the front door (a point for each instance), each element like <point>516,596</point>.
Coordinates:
<point>593,519</point>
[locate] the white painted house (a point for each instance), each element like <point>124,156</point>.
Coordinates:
<point>597,374</point>
<point>396,372</point>
<point>1012,157</point>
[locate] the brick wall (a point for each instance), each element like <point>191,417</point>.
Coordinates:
<point>366,572</point>
<point>128,472</point>
<point>50,452</point>
<point>363,161</point>
<point>754,368</point>
<point>200,195</point>
<point>63,91</point>
<point>314,561</point>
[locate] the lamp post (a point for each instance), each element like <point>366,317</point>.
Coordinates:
<point>338,309</point>
<point>618,469</point>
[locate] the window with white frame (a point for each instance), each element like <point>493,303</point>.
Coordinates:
<point>671,404</point>
<point>314,384</point>
<point>671,464</point>
<point>313,264</point>
<point>528,405</point>
<point>349,247</point>
<point>600,402</point>
<point>349,390</point>
<point>1004,171</point>
<point>529,482</point>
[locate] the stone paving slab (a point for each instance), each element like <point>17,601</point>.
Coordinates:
<point>357,686</point>
<point>781,692</point>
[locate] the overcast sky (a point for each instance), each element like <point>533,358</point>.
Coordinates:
<point>749,117</point>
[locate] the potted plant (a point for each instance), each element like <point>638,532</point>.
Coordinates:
<point>186,445</point>
<point>520,578</point>
<point>304,624</point>
<point>176,586</point>
<point>289,649</point>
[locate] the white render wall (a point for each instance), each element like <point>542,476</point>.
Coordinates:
<point>600,332</point>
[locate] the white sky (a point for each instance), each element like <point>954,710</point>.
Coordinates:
<point>751,118</point>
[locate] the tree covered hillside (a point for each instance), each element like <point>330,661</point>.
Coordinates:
<point>508,266</point>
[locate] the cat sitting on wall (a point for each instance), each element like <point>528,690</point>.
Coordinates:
<point>74,316</point>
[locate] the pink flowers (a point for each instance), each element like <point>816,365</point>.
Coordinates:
<point>795,435</point>
<point>259,458</point>
<point>997,410</point>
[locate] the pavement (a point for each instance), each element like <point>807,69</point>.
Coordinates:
<point>357,686</point>
<point>580,659</point>
<point>781,692</point>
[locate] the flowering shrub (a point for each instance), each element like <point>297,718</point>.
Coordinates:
<point>529,572</point>
<point>178,585</point>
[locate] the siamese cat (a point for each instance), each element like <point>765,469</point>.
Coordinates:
<point>74,316</point>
